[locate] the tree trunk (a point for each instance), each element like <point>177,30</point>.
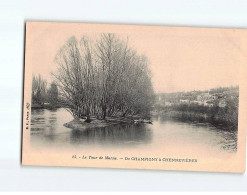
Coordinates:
<point>88,120</point>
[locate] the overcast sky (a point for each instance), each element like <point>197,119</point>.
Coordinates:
<point>181,59</point>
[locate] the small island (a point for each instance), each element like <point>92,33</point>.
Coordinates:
<point>82,124</point>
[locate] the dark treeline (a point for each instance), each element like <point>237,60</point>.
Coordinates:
<point>103,77</point>
<point>41,94</point>
<point>226,117</point>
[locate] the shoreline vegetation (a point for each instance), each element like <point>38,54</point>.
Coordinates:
<point>216,116</point>
<point>45,106</point>
<point>200,118</point>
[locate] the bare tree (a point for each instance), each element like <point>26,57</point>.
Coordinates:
<point>103,78</point>
<point>52,95</point>
<point>38,90</point>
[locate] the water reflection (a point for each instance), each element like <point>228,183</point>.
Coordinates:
<point>42,120</point>
<point>204,132</point>
<point>47,129</point>
<point>118,134</point>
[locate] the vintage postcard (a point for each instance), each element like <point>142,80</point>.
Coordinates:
<point>136,97</point>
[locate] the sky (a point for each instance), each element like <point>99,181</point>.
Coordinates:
<point>181,59</point>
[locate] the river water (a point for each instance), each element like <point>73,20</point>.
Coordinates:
<point>47,130</point>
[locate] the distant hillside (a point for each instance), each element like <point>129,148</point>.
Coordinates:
<point>212,97</point>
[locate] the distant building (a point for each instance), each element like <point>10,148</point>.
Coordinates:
<point>167,103</point>
<point>159,98</point>
<point>214,97</point>
<point>194,102</point>
<point>209,104</point>
<point>222,103</point>
<point>184,101</point>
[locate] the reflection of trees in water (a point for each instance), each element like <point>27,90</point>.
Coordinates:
<point>230,141</point>
<point>37,120</point>
<point>37,111</point>
<point>163,119</point>
<point>124,134</point>
<point>52,127</point>
<point>44,124</point>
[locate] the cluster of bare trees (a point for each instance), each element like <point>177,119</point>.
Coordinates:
<point>103,77</point>
<point>38,90</point>
<point>41,94</point>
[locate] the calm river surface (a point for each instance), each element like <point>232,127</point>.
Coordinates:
<point>47,130</point>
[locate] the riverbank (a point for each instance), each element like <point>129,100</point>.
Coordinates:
<point>80,124</point>
<point>45,106</point>
<point>225,123</point>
